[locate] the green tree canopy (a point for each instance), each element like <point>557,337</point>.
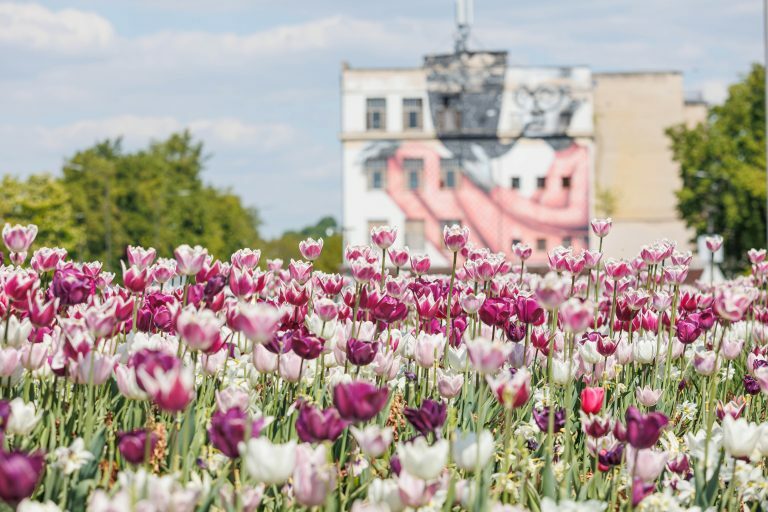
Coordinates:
<point>43,200</point>
<point>287,246</point>
<point>153,197</point>
<point>722,165</point>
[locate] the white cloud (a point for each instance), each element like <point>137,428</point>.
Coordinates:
<point>225,132</point>
<point>32,26</point>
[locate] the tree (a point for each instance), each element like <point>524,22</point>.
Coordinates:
<point>722,165</point>
<point>153,197</point>
<point>43,200</point>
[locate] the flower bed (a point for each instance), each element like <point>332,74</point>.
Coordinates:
<point>203,385</point>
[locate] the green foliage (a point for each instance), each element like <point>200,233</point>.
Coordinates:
<point>722,165</point>
<point>153,197</point>
<point>287,246</point>
<point>43,200</point>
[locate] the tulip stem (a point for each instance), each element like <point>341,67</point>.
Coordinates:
<point>448,325</point>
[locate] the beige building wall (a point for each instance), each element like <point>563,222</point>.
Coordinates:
<point>634,169</point>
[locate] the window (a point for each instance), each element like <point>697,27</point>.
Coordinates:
<point>449,173</point>
<point>541,244</point>
<point>567,241</point>
<point>566,180</point>
<point>412,114</point>
<point>376,114</point>
<point>414,234</point>
<point>516,182</point>
<point>376,170</point>
<point>413,168</point>
<point>448,115</point>
<point>541,182</point>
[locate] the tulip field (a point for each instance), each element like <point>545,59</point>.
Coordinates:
<point>240,385</point>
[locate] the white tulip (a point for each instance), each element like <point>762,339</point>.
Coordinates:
<point>471,451</point>
<point>740,437</point>
<point>268,463</point>
<point>421,460</point>
<point>644,349</point>
<point>24,417</point>
<point>385,492</point>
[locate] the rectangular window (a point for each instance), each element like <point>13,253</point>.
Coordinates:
<point>412,114</point>
<point>541,244</point>
<point>515,182</point>
<point>449,173</point>
<point>414,234</point>
<point>376,114</point>
<point>567,241</point>
<point>541,183</point>
<point>375,170</point>
<point>566,180</point>
<point>448,115</point>
<point>413,168</point>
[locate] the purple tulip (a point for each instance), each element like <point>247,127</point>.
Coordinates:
<point>529,311</point>
<point>314,425</point>
<point>389,309</point>
<point>751,386</point>
<point>133,445</point>
<point>306,345</point>
<point>71,286</point>
<point>359,401</point>
<point>608,459</point>
<point>19,474</point>
<point>5,413</point>
<point>394,465</point>
<point>644,430</point>
<point>515,331</point>
<point>228,429</point>
<point>495,311</point>
<point>541,417</point>
<point>688,330</point>
<point>641,490</point>
<point>427,418</point>
<point>361,353</point>
<point>149,360</point>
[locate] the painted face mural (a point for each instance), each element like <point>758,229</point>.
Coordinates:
<point>512,158</point>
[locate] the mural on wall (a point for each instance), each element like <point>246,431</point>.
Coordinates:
<point>520,175</point>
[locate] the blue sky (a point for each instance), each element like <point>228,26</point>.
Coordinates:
<point>257,80</point>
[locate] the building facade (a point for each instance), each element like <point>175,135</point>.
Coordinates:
<point>517,154</point>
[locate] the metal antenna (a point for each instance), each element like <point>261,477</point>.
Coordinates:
<point>464,19</point>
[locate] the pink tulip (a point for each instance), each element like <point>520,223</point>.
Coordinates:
<point>46,259</point>
<point>140,257</point>
<point>522,251</point>
<point>383,236</point>
<point>449,386</point>
<point>415,492</point>
<point>135,278</point>
<point>93,368</point>
<point>646,464</point>
<point>18,238</point>
<point>398,257</point>
<point>243,259</point>
<point>300,271</point>
<point>10,359</point>
<point>648,396</point>
<point>420,263</point>
<point>172,390</point>
<point>42,313</point>
<point>427,349</point>
<point>601,227</point>
<point>486,356</point>
<point>289,366</point>
<point>258,322</point>
<point>190,260</point>
<point>511,391</point>
<point>313,476</point>
<point>264,360</point>
<point>310,248</point>
<point>200,330</point>
<point>164,270</point>
<point>714,242</point>
<point>455,237</point>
